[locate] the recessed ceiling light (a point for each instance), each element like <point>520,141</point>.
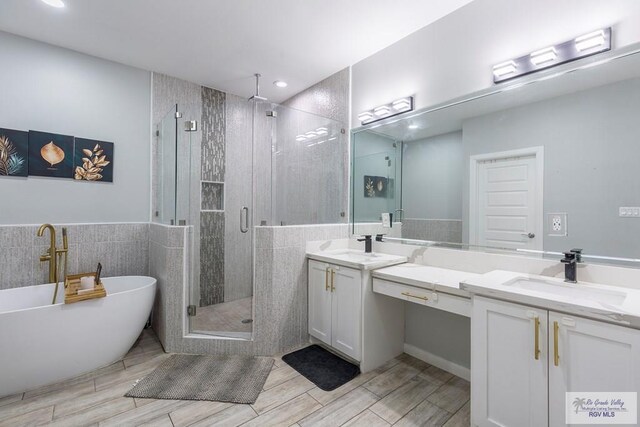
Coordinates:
<point>413,126</point>
<point>280,83</point>
<point>54,3</point>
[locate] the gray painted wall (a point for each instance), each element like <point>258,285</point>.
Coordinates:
<point>438,332</point>
<point>591,154</point>
<point>433,170</point>
<point>57,90</point>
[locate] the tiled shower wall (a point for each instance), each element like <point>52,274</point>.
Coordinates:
<point>437,230</point>
<point>204,147</point>
<point>280,299</point>
<point>122,249</point>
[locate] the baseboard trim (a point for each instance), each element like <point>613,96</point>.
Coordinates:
<point>437,361</point>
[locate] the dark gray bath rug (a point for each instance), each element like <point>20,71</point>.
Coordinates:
<point>321,367</point>
<point>236,379</point>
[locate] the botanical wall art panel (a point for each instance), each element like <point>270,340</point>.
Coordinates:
<point>375,186</point>
<point>50,154</point>
<point>14,152</point>
<point>93,160</point>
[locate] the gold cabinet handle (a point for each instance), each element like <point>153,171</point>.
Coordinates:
<point>333,276</point>
<point>407,294</point>
<point>556,356</point>
<point>326,279</point>
<point>536,325</point>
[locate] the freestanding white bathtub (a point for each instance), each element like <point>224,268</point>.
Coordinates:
<point>41,343</point>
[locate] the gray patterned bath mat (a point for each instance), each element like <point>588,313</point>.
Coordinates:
<point>236,379</point>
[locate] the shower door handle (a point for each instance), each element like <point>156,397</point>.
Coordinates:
<point>245,228</point>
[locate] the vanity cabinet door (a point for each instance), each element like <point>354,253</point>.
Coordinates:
<point>347,310</point>
<point>320,301</point>
<point>588,355</point>
<point>508,371</point>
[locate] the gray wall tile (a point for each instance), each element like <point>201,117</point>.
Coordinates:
<point>121,248</point>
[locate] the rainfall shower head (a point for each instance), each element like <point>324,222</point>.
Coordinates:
<point>257,96</point>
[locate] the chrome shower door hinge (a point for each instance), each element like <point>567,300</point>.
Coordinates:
<point>191,126</point>
<point>191,310</point>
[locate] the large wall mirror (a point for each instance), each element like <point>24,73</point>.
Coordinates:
<point>539,166</point>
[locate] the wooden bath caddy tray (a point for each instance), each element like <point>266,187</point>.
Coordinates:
<point>72,285</point>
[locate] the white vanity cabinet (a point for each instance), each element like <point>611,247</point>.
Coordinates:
<point>335,304</point>
<point>508,381</point>
<point>589,356</point>
<point>524,359</point>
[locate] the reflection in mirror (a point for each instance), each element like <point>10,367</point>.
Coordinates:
<point>547,166</point>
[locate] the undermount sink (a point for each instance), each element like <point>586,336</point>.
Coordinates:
<point>569,290</point>
<point>358,258</point>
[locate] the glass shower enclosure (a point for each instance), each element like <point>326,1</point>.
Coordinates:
<point>259,164</point>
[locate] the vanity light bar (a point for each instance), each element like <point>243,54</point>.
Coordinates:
<point>580,47</point>
<point>394,108</point>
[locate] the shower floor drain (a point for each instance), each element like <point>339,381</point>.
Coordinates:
<point>247,320</point>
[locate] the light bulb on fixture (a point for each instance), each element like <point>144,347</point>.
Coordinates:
<point>402,104</point>
<point>365,116</point>
<point>589,41</point>
<point>381,111</point>
<point>543,56</point>
<point>280,83</point>
<point>504,69</point>
<point>54,3</point>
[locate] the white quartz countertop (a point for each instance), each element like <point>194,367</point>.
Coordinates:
<point>426,277</point>
<point>357,258</point>
<point>612,303</point>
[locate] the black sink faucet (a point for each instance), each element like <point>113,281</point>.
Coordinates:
<point>367,243</point>
<point>570,261</point>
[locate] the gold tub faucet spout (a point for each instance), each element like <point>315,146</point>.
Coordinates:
<point>52,254</point>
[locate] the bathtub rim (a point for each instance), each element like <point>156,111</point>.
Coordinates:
<point>152,282</point>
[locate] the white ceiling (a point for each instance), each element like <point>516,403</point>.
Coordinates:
<point>222,43</point>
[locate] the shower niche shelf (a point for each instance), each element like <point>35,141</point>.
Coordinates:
<point>212,196</point>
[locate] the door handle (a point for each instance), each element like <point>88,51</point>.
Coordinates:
<point>529,235</point>
<point>333,276</point>
<point>244,210</point>
<point>556,355</point>
<point>536,350</point>
<point>326,279</point>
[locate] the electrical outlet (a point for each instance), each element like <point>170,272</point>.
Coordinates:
<point>629,212</point>
<point>557,224</point>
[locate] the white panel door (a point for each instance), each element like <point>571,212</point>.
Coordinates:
<point>592,356</point>
<point>507,204</point>
<point>320,301</point>
<point>508,377</point>
<point>347,309</point>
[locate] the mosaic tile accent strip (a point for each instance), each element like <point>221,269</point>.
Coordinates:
<point>212,196</point>
<point>211,258</point>
<point>213,135</point>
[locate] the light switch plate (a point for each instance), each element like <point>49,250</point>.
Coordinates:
<point>629,212</point>
<point>557,223</point>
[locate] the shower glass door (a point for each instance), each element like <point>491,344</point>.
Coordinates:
<point>221,296</point>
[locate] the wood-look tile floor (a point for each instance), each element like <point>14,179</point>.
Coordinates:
<point>403,392</point>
